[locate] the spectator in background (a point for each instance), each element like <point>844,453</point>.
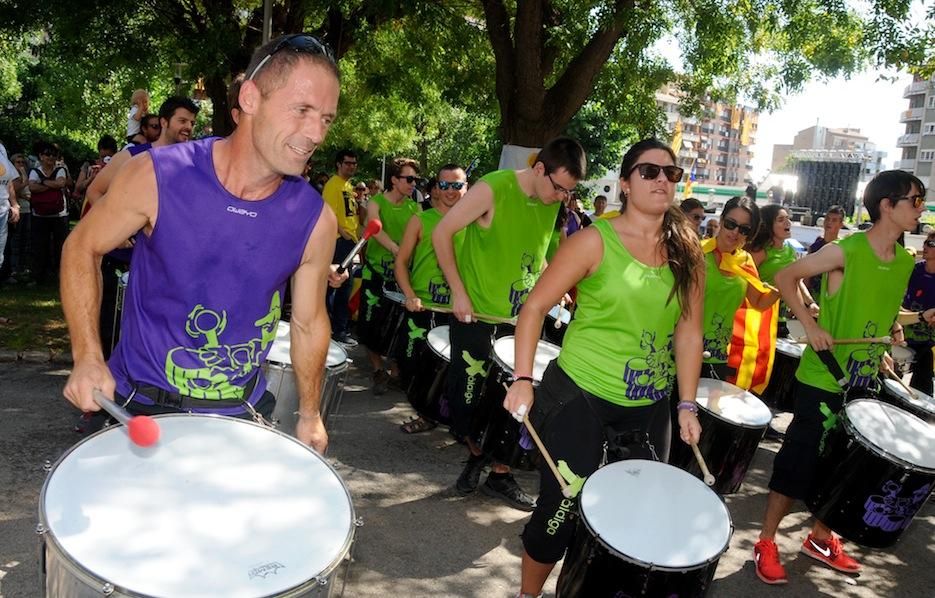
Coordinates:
<point>694,210</point>
<point>139,106</point>
<point>600,204</point>
<point>48,184</point>
<point>374,187</point>
<point>20,240</point>
<point>920,296</point>
<point>712,228</point>
<point>340,197</point>
<point>106,148</point>
<point>151,128</point>
<point>361,194</point>
<point>9,208</point>
<point>834,222</point>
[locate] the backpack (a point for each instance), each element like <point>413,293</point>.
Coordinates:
<point>50,202</point>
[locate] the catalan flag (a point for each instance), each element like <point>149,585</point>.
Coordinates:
<point>753,341</point>
<point>676,144</point>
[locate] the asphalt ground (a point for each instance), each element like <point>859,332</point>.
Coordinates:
<point>420,538</point>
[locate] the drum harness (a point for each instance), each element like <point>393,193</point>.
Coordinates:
<point>619,445</point>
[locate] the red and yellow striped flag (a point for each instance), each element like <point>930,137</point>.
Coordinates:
<point>753,342</point>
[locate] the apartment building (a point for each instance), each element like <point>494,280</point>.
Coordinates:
<point>918,140</point>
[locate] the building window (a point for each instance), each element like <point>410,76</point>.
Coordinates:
<point>926,155</point>
<point>931,101</point>
<point>929,128</point>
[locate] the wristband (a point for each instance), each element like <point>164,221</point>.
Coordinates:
<point>522,378</point>
<point>688,406</point>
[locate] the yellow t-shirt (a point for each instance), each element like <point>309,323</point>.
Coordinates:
<point>610,214</point>
<point>339,195</point>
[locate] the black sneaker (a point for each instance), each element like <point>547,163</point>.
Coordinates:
<point>470,475</point>
<point>345,340</point>
<point>504,487</point>
<point>380,378</point>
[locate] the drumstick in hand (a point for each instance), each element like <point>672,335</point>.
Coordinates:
<point>373,227</point>
<point>708,478</point>
<point>442,309</point>
<point>899,381</point>
<point>883,340</point>
<point>143,430</point>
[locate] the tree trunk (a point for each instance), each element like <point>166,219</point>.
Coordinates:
<point>216,89</point>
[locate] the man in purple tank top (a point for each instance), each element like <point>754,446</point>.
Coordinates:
<point>224,225</point>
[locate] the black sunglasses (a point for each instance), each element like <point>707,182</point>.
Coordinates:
<point>299,42</point>
<point>731,224</point>
<point>917,200</point>
<point>456,185</point>
<point>651,171</point>
<point>409,179</point>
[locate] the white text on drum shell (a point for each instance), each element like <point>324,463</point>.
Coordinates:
<point>241,211</point>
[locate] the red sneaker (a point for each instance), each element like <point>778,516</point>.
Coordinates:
<point>768,567</point>
<point>831,553</point>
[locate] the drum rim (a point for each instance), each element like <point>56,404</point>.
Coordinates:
<point>873,448</point>
<point>390,295</point>
<point>85,574</point>
<point>889,384</point>
<point>508,369</point>
<point>432,347</point>
<point>736,423</point>
<point>645,564</point>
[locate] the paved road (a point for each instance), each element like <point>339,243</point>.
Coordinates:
<point>420,539</point>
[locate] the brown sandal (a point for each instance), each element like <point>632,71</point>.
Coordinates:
<point>416,425</point>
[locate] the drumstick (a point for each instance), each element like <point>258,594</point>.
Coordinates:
<point>706,354</point>
<point>558,320</point>
<point>884,340</point>
<point>708,478</point>
<point>373,227</point>
<point>899,381</point>
<point>447,310</point>
<point>143,430</point>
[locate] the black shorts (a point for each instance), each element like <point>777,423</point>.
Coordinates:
<point>372,311</point>
<point>574,425</point>
<point>795,465</point>
<point>413,343</point>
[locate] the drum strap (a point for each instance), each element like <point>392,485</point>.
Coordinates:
<point>827,358</point>
<point>619,445</point>
<point>174,400</point>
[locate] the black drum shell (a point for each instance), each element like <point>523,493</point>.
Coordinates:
<point>501,433</point>
<point>850,474</point>
<point>778,394</point>
<point>427,386</point>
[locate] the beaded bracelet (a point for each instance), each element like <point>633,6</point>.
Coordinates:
<point>688,406</point>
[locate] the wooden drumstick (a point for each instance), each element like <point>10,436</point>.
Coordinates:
<point>883,340</point>
<point>708,478</point>
<point>558,320</point>
<point>892,375</point>
<point>447,310</point>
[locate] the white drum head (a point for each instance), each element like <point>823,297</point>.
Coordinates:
<point>395,297</point>
<point>560,313</point>
<point>732,403</point>
<point>439,342</point>
<point>656,514</point>
<point>545,352</point>
<point>337,356</point>
<point>795,328</point>
<point>787,347</point>
<point>921,400</point>
<point>279,352</point>
<point>902,354</point>
<point>894,431</point>
<point>219,507</point>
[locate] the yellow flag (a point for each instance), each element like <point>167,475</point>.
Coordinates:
<point>735,117</point>
<point>747,129</point>
<point>677,137</point>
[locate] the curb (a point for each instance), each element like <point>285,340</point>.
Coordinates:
<point>36,357</point>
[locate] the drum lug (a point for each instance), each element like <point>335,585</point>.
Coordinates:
<point>107,589</point>
<point>321,581</point>
<point>40,529</point>
<point>47,466</point>
<point>359,522</point>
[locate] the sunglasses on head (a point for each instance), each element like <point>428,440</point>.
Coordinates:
<point>456,185</point>
<point>651,171</point>
<point>917,200</point>
<point>300,42</point>
<point>409,179</point>
<point>930,243</point>
<point>731,224</point>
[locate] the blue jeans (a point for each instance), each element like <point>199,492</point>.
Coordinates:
<point>4,228</point>
<point>338,298</point>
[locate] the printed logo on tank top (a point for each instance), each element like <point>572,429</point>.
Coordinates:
<point>650,377</point>
<point>206,372</point>
<point>864,363</point>
<point>241,212</point>
<point>439,290</point>
<point>717,339</point>
<point>520,288</point>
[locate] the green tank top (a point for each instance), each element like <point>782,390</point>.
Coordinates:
<point>553,245</point>
<point>394,218</point>
<point>865,305</point>
<point>425,275</point>
<point>619,345</point>
<point>776,260</point>
<point>499,265</point>
<point>723,296</point>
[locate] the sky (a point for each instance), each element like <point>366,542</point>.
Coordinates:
<point>862,102</point>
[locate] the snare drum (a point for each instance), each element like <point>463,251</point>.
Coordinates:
<point>556,322</point>
<point>921,405</point>
<point>645,529</point>
<point>427,389</point>
<point>281,381</point>
<point>733,422</point>
<point>778,393</point>
<point>903,357</point>
<point>875,473</point>
<point>394,312</point>
<point>505,440</point>
<point>219,507</point>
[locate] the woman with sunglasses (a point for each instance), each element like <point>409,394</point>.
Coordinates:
<point>771,254</point>
<point>393,209</point>
<point>920,296</point>
<point>729,272</point>
<point>637,328</point>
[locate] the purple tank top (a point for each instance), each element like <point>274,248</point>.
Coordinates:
<point>205,293</point>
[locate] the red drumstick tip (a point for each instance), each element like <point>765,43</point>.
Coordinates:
<point>373,227</point>
<point>143,430</point>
